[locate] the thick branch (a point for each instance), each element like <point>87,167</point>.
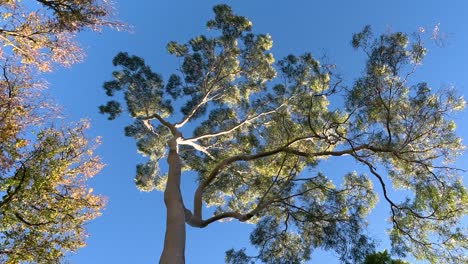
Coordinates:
<point>193,111</point>
<point>165,123</point>
<point>196,146</point>
<point>197,200</point>
<point>9,195</point>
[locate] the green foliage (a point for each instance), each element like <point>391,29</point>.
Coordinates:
<point>237,257</point>
<point>382,258</point>
<point>143,89</point>
<point>46,201</point>
<point>253,139</point>
<point>112,108</point>
<point>73,15</point>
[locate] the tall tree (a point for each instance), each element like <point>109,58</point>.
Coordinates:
<point>251,130</point>
<point>44,200</point>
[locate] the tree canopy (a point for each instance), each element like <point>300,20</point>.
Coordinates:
<point>44,199</point>
<point>255,131</point>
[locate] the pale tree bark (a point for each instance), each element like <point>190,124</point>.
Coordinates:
<point>174,240</point>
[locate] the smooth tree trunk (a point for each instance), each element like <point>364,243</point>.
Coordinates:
<point>174,240</point>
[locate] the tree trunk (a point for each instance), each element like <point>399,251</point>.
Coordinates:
<point>174,240</point>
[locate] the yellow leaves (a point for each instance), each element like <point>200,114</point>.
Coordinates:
<point>54,199</point>
<point>380,70</point>
<point>92,167</point>
<point>451,125</point>
<point>270,59</point>
<point>40,37</point>
<point>48,175</point>
<point>459,104</point>
<point>265,42</point>
<point>44,67</point>
<point>6,15</point>
<point>25,60</point>
<point>20,143</point>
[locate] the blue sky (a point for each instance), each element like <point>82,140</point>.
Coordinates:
<point>131,229</point>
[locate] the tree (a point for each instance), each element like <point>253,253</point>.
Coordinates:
<point>42,32</point>
<point>44,200</point>
<point>382,258</point>
<point>251,130</point>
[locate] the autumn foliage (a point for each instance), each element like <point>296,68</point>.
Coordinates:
<point>44,199</point>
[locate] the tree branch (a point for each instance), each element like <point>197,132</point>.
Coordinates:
<point>243,122</point>
<point>196,146</point>
<point>22,219</point>
<point>165,123</point>
<point>196,218</point>
<point>192,112</point>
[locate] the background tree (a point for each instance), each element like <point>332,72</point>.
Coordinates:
<point>252,139</point>
<point>41,32</point>
<point>382,258</point>
<point>44,200</point>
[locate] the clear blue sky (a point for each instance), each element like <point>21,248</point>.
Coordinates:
<point>131,228</point>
